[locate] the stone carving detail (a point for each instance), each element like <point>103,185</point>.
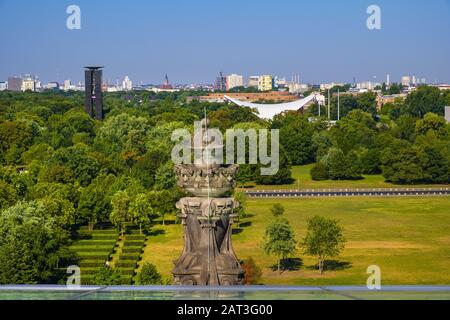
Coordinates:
<point>208,258</point>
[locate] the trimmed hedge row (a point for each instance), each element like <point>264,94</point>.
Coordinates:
<point>94,243</point>
<point>98,256</point>
<point>97,237</point>
<point>93,249</point>
<point>126,264</point>
<point>134,237</point>
<point>133,243</point>
<point>92,264</point>
<point>135,256</point>
<point>88,271</point>
<point>126,271</point>
<point>132,250</point>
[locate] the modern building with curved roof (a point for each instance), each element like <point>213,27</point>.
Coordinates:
<point>268,111</point>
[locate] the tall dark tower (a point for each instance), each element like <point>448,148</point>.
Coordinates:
<point>93,89</point>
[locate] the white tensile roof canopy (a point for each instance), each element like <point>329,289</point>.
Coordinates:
<point>268,111</point>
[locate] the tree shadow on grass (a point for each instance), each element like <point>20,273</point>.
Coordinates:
<point>236,231</point>
<point>245,224</point>
<point>332,265</point>
<point>156,232</point>
<point>289,264</point>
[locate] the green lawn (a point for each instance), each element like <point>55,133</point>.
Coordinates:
<point>409,238</point>
<point>303,181</point>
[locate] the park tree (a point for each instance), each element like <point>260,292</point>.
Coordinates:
<point>405,128</point>
<point>296,134</point>
<point>321,142</point>
<point>95,200</point>
<point>357,129</point>
<point>277,210</point>
<point>432,122</point>
<point>77,162</point>
<point>165,177</point>
<point>402,165</point>
<point>32,244</point>
<point>141,210</point>
<point>279,240</point>
<point>424,100</point>
<point>120,210</point>
<point>324,239</point>
<point>341,166</point>
<point>8,195</point>
<point>367,102</point>
<point>241,210</point>
<point>162,202</point>
<point>319,172</point>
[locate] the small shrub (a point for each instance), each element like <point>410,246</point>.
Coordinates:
<point>253,273</point>
<point>107,277</point>
<point>149,275</point>
<point>277,210</point>
<point>319,172</point>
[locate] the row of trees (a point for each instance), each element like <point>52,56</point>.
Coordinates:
<point>324,238</point>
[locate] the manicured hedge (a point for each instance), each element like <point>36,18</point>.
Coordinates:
<point>126,271</point>
<point>88,271</point>
<point>133,243</point>
<point>131,250</point>
<point>126,264</point>
<point>134,237</point>
<point>92,264</point>
<point>88,249</point>
<point>98,256</point>
<point>94,243</point>
<point>104,237</point>
<point>135,256</point>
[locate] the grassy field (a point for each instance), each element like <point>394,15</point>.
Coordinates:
<point>408,238</point>
<point>303,181</point>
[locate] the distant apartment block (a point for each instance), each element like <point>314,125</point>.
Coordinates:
<point>406,81</point>
<point>221,83</point>
<point>3,86</point>
<point>253,81</point>
<point>265,83</point>
<point>14,84</point>
<point>234,81</point>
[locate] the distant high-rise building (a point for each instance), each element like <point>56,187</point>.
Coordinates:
<point>127,84</point>
<point>3,85</point>
<point>414,80</point>
<point>234,81</point>
<point>447,114</point>
<point>93,90</point>
<point>388,80</point>
<point>14,84</point>
<point>52,86</point>
<point>406,81</point>
<point>253,81</point>
<point>221,83</point>
<point>265,83</point>
<point>29,82</point>
<point>67,85</point>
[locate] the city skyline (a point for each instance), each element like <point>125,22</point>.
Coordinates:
<point>322,41</point>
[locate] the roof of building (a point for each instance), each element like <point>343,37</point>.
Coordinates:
<point>268,111</point>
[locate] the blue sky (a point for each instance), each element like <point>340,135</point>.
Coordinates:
<point>191,41</point>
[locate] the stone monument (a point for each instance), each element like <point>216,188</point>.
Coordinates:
<point>208,258</point>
